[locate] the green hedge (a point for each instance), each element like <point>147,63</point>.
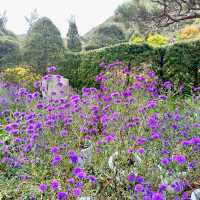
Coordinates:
<point>9,52</point>
<point>82,68</point>
<point>182,63</point>
<point>178,63</point>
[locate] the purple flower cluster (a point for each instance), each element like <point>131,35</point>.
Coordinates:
<point>127,114</point>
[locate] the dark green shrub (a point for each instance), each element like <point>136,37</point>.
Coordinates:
<point>82,68</point>
<point>106,35</point>
<point>43,45</point>
<point>73,38</point>
<point>9,51</point>
<point>178,63</point>
<point>69,67</point>
<point>182,63</point>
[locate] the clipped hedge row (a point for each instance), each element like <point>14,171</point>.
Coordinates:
<point>81,68</point>
<point>179,62</point>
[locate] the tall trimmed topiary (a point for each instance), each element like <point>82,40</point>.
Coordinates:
<point>43,45</point>
<point>73,38</point>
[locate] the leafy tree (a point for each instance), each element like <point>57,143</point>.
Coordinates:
<point>73,38</point>
<point>32,18</point>
<point>9,47</point>
<point>106,35</point>
<point>3,21</point>
<point>3,30</point>
<point>43,45</point>
<point>9,51</point>
<point>176,11</point>
<point>137,14</point>
<point>135,10</point>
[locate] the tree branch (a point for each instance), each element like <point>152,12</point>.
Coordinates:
<point>172,11</point>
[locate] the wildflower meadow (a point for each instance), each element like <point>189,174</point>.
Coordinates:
<point>131,137</point>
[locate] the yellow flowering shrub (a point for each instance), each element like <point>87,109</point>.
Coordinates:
<point>21,75</point>
<point>157,40</point>
<point>136,39</point>
<point>189,32</point>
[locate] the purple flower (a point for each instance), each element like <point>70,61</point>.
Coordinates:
<point>195,140</point>
<point>56,160</point>
<point>163,187</point>
<point>131,177</point>
<point>139,188</point>
<point>73,156</point>
<point>71,180</point>
<point>139,78</point>
<point>43,187</point>
<point>28,148</point>
<point>179,159</point>
<point>147,197</point>
<point>167,85</point>
<point>40,105</point>
<point>110,138</point>
<point>79,184</point>
<point>165,161</point>
<point>185,196</point>
<point>76,192</point>
<point>79,173</point>
<point>139,179</point>
<point>77,170</point>
<point>141,141</point>
<point>37,84</point>
<point>151,74</point>
<point>126,70</point>
<point>178,186</point>
<point>157,196</point>
<point>126,93</point>
<point>16,114</point>
<point>54,150</point>
<point>151,104</point>
<point>92,179</point>
<point>152,122</point>
<point>63,133</point>
<point>62,195</point>
<point>51,69</point>
<point>192,164</point>
<point>55,185</point>
<point>155,135</point>
<point>102,65</point>
<point>141,151</point>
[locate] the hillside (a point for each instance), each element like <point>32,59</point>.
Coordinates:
<point>130,17</point>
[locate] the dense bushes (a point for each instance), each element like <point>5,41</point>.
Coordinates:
<point>22,76</point>
<point>105,36</point>
<point>70,65</point>
<point>82,68</point>
<point>73,38</point>
<point>137,39</point>
<point>189,32</point>
<point>43,45</point>
<point>9,51</point>
<point>157,40</point>
<point>183,62</point>
<point>179,62</point>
